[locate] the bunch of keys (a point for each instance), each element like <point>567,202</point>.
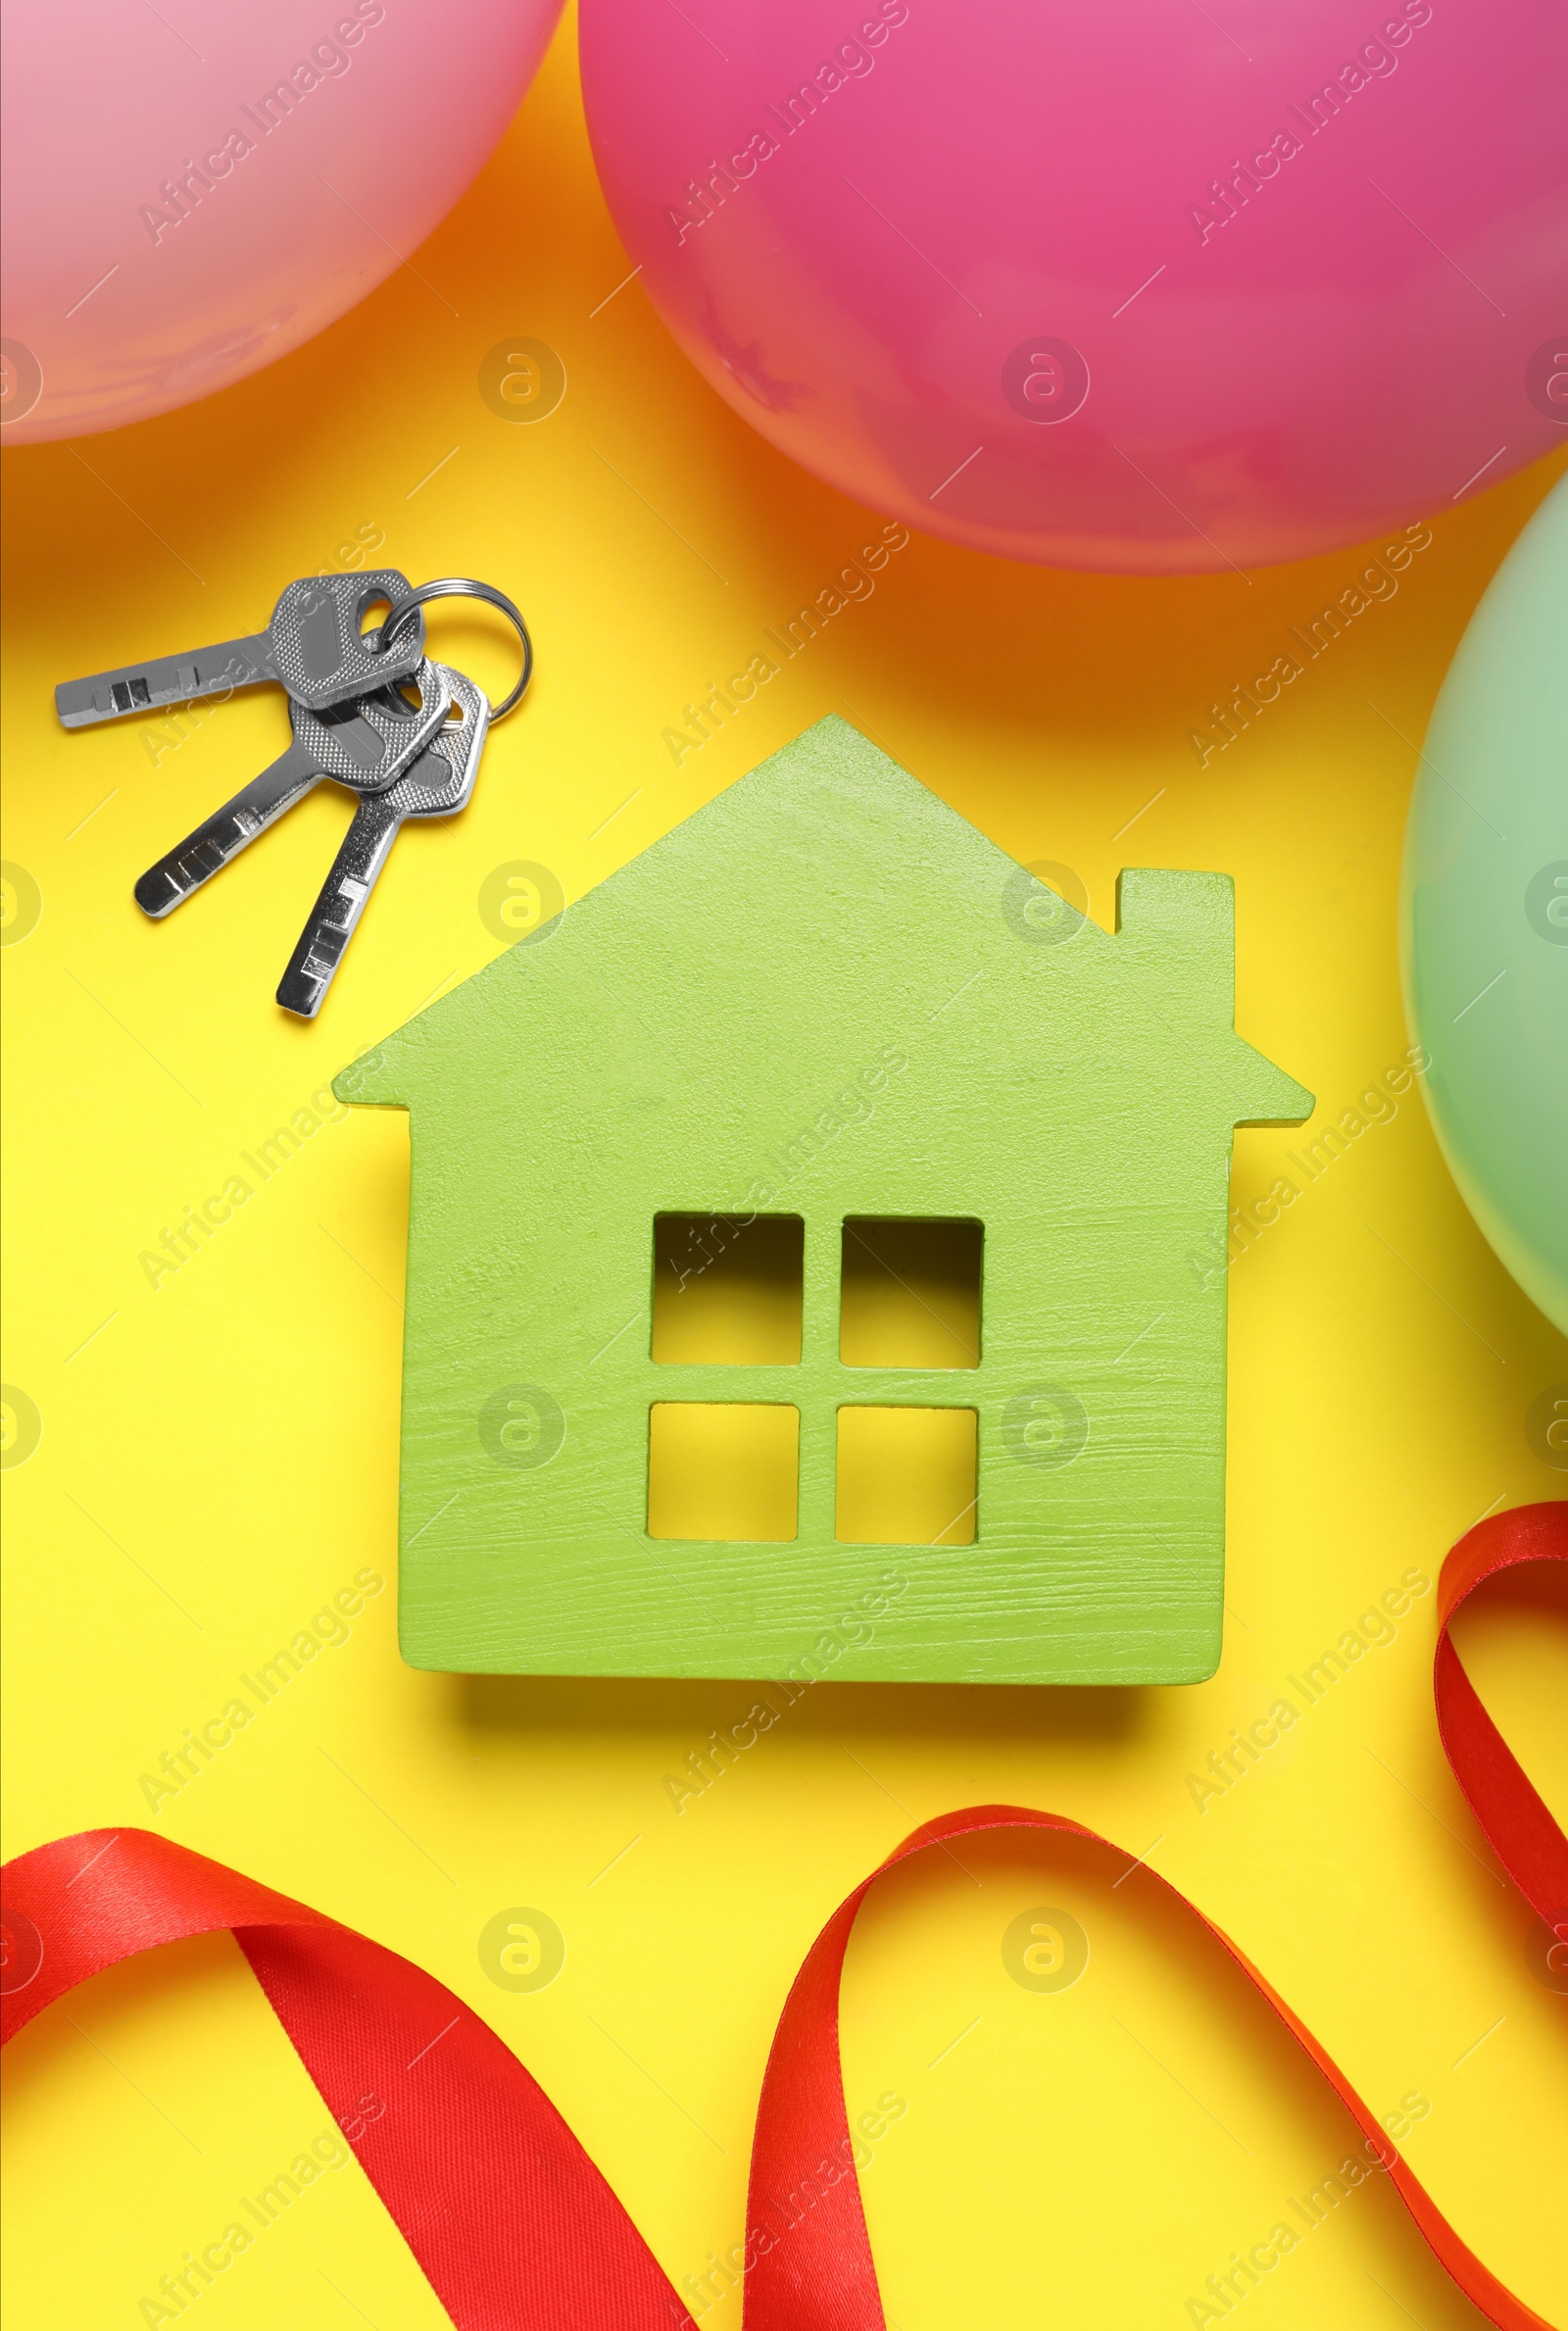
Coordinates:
<point>353,725</point>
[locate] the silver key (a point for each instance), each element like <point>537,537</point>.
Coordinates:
<point>366,746</point>
<point>438,785</point>
<point>312,646</point>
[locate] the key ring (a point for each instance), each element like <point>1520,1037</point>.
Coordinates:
<point>453,586</point>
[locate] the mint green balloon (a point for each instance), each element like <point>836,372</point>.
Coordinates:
<point>1483,910</point>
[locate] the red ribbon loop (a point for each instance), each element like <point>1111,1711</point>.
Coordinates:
<point>1525,1838</point>
<point>514,2225</point>
<point>511,2222</point>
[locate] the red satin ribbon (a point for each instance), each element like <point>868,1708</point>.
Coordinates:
<point>512,2224</point>
<point>489,2188</point>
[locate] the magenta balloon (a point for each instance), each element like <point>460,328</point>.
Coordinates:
<point>1104,282</point>
<point>190,193</point>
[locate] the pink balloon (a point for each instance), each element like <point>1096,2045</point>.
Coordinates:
<point>191,191</point>
<point>1148,287</point>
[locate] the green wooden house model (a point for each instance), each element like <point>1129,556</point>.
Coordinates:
<point>798,1260</point>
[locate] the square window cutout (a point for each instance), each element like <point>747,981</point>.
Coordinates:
<point>910,1293</point>
<point>906,1477</point>
<point>727,1290</point>
<point>723,1471</point>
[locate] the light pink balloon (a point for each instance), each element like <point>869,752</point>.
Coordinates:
<point>191,190</point>
<point>1138,284</point>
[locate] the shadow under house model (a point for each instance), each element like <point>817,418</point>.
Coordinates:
<point>826,998</point>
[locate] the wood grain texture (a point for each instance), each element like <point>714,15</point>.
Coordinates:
<point>826,995</point>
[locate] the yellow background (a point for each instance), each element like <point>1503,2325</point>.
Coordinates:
<point>219,1455</point>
